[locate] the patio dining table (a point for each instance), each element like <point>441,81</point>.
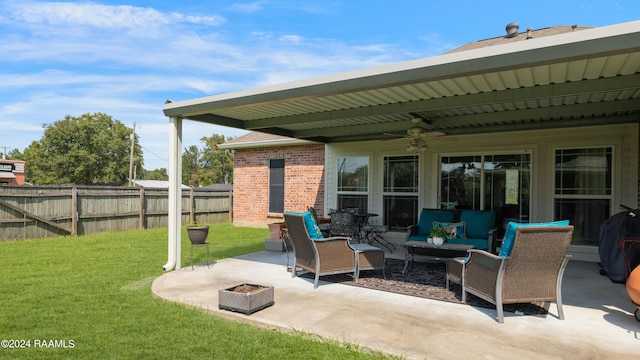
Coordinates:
<point>371,233</point>
<point>362,220</point>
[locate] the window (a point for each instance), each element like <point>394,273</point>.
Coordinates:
<point>276,186</point>
<point>583,194</point>
<point>353,183</point>
<point>400,192</point>
<point>488,182</point>
<point>507,184</point>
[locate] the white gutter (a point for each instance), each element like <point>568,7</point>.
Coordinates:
<point>175,193</point>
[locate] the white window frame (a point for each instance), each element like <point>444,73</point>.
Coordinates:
<point>415,194</point>
<point>366,192</point>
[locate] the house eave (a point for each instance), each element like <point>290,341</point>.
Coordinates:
<point>266,143</point>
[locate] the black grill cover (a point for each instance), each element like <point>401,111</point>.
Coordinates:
<point>625,224</point>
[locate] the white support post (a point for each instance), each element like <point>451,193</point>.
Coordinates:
<point>175,193</point>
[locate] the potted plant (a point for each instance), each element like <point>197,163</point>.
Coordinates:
<point>438,234</point>
<point>197,232</point>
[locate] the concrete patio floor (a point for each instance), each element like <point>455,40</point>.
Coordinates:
<point>598,323</point>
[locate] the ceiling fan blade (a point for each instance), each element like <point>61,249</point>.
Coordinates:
<point>396,135</point>
<point>393,136</point>
<point>443,138</point>
<point>432,134</point>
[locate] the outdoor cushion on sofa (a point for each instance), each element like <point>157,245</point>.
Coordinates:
<point>479,228</point>
<point>478,223</point>
<point>420,232</point>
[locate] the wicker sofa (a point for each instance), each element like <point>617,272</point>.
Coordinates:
<point>477,227</point>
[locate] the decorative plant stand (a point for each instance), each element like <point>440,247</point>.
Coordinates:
<point>245,298</point>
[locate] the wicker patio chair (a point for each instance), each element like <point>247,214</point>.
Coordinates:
<point>326,256</point>
<point>532,273</point>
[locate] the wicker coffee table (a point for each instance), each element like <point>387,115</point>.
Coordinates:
<point>437,252</point>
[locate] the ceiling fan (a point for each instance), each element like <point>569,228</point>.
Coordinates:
<point>418,135</point>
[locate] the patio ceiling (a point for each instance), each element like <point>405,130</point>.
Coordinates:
<point>583,78</point>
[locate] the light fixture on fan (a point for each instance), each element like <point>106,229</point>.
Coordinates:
<point>416,144</point>
<point>415,130</point>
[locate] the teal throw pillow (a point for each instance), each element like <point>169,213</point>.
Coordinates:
<point>454,230</point>
<point>312,227</point>
<point>509,236</point>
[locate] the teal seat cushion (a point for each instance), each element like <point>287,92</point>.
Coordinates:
<point>427,217</point>
<point>478,223</point>
<point>510,234</point>
<point>312,227</point>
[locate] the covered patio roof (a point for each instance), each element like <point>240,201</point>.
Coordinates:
<point>581,78</point>
<point>574,79</point>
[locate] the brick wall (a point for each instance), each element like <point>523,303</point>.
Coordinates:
<point>303,183</point>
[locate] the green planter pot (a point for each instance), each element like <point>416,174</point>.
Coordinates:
<point>198,234</point>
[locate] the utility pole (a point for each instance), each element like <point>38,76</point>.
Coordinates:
<point>4,153</point>
<point>133,139</point>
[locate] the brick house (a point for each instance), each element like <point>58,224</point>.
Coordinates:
<point>12,172</point>
<point>273,174</point>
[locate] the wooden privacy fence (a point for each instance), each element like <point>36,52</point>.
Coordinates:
<point>28,212</point>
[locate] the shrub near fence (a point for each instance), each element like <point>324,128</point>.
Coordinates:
<point>28,212</point>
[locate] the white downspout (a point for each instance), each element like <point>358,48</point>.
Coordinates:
<point>175,193</point>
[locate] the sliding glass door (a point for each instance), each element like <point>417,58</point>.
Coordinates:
<point>499,182</point>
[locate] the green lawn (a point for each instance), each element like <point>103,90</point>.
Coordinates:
<point>93,293</point>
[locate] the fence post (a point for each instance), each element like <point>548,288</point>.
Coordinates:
<point>192,206</point>
<point>74,211</point>
<point>142,217</point>
<point>230,206</point>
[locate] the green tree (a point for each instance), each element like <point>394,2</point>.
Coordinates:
<point>84,150</point>
<point>192,166</point>
<point>156,174</point>
<point>209,165</point>
<point>15,154</point>
<point>218,161</point>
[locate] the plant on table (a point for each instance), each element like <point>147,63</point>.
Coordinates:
<point>438,232</point>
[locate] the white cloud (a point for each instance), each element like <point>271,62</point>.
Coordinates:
<point>291,38</point>
<point>247,7</point>
<point>99,16</point>
<point>70,58</point>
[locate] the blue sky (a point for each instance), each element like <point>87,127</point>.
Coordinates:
<point>125,58</point>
